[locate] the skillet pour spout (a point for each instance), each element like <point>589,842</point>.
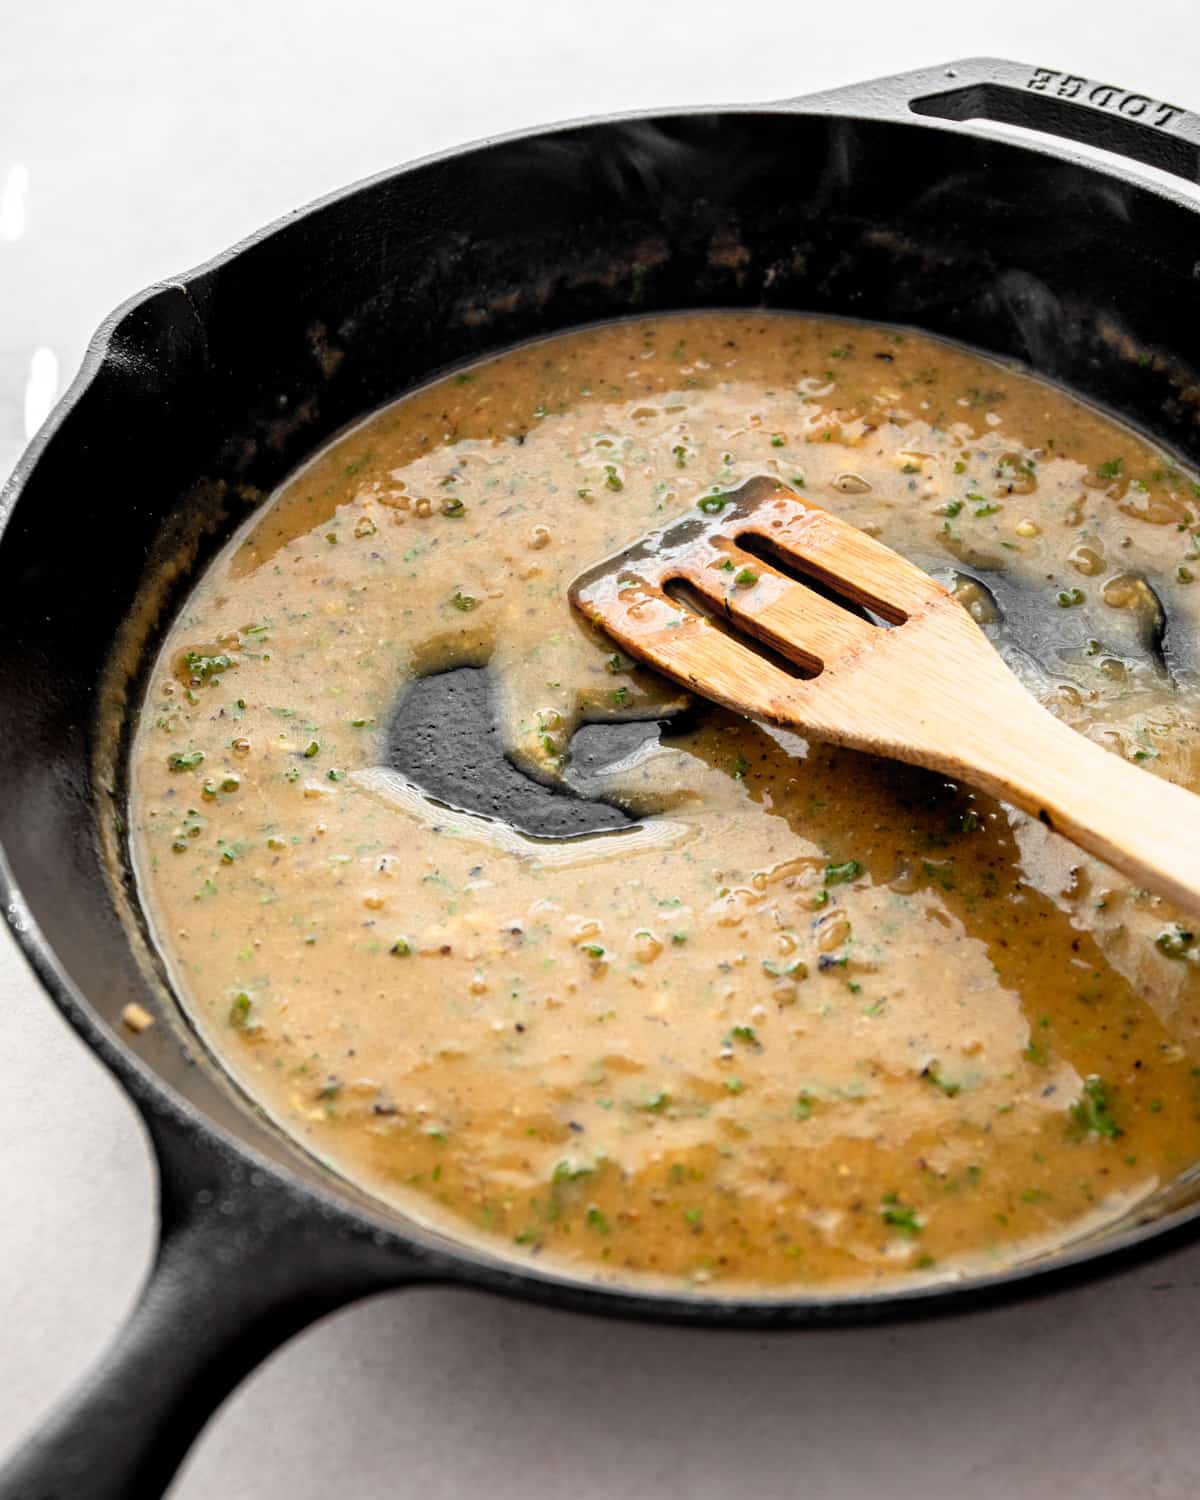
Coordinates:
<point>794,205</point>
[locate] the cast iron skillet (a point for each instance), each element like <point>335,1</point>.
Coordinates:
<point>197,397</point>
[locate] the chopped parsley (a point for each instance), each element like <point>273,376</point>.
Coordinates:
<point>899,1215</point>
<point>185,760</point>
<point>933,1074</point>
<point>1092,1111</point>
<point>1174,941</point>
<point>207,668</point>
<point>570,1171</point>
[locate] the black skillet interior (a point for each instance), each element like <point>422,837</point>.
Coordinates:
<point>201,395</point>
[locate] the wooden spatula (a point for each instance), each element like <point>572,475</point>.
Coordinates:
<point>930,690</point>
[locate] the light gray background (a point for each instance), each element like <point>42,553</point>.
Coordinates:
<point>152,134</point>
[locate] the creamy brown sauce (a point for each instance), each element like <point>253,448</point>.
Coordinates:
<point>817,1019</point>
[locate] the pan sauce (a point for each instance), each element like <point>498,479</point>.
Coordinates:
<point>816,1019</point>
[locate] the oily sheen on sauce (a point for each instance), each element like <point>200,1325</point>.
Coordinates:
<point>809,1018</point>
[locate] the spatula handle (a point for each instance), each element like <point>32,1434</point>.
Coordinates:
<point>1142,825</point>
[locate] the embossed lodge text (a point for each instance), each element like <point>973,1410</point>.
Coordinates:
<point>1103,96</point>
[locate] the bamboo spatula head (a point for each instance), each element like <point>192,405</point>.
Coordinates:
<point>764,567</point>
<point>774,607</point>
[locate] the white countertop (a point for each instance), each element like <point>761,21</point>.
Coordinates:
<point>136,138</point>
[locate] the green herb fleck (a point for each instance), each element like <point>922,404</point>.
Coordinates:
<point>899,1215</point>
<point>207,668</point>
<point>1093,1110</point>
<point>1174,941</point>
<point>185,760</point>
<point>570,1171</point>
<point>933,1074</point>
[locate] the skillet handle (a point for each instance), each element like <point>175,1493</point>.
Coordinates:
<point>243,1262</point>
<point>1049,100</point>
